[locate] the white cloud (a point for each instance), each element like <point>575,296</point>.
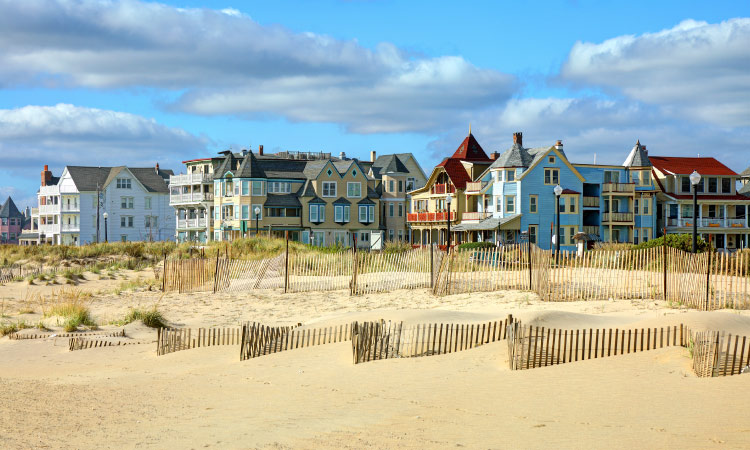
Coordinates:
<point>226,63</point>
<point>64,134</point>
<point>696,70</point>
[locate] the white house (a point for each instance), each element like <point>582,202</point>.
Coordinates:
<point>134,201</point>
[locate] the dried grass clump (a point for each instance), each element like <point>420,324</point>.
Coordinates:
<point>72,305</point>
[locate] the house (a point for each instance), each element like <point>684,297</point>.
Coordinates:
<point>722,210</point>
<point>30,233</point>
<point>11,222</point>
<point>192,196</point>
<point>745,182</point>
<point>443,198</point>
<point>72,207</point>
<point>397,175</point>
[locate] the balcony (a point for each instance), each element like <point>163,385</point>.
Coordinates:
<point>49,209</point>
<point>71,228</point>
<point>706,222</point>
<point>195,197</point>
<point>429,217</point>
<point>49,229</point>
<point>591,229</point>
<point>443,189</point>
<point>476,215</point>
<point>618,188</point>
<point>71,208</point>
<point>475,186</point>
<point>192,223</point>
<point>190,178</point>
<point>617,217</point>
<point>590,202</point>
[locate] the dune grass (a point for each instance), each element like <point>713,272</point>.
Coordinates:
<point>151,317</point>
<point>71,305</point>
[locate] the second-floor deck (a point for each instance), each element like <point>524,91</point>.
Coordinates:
<point>443,188</point>
<point>192,223</point>
<point>618,188</point>
<point>470,216</point>
<point>475,186</point>
<point>706,222</point>
<point>190,178</point>
<point>195,197</point>
<point>430,217</point>
<point>617,217</point>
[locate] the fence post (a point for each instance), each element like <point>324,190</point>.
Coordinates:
<point>432,263</point>
<point>286,263</point>
<point>664,253</point>
<point>164,274</point>
<point>531,285</point>
<point>216,270</point>
<point>353,284</point>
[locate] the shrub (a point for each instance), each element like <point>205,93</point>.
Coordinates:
<point>396,247</point>
<point>152,318</point>
<point>682,242</point>
<point>476,245</point>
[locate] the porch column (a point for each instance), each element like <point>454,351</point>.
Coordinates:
<point>725,217</point>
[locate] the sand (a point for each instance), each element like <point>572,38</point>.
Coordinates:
<point>127,397</point>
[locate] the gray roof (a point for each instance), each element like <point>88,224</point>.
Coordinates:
<point>9,209</point>
<point>365,201</point>
<point>91,178</point>
<point>388,163</point>
<point>313,168</point>
<point>491,223</point>
<point>283,201</point>
<point>342,201</point>
<point>745,190</point>
<point>249,168</point>
<point>517,156</point>
<point>746,172</point>
<point>638,157</point>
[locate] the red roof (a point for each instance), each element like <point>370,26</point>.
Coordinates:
<point>685,166</point>
<point>470,150</point>
<point>569,191</point>
<point>456,172</point>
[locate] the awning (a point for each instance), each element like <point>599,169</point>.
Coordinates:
<point>512,222</point>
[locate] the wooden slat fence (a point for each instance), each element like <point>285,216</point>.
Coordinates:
<point>20,335</point>
<point>242,275</point>
<point>258,340</point>
<point>81,343</point>
<point>532,346</point>
<point>384,340</point>
<point>718,353</point>
<point>488,269</point>
<point>189,275</point>
<point>170,340</point>
<point>320,271</point>
<point>386,272</point>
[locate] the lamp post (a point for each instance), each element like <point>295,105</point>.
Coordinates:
<point>558,191</point>
<point>257,213</point>
<point>448,220</point>
<point>105,215</point>
<point>695,178</point>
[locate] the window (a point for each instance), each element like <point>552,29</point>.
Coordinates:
<point>411,183</point>
<point>124,183</point>
<point>571,233</point>
<point>726,185</point>
<point>713,185</point>
<point>551,159</point>
<point>147,202</point>
<point>151,221</point>
<point>329,189</point>
<point>390,234</point>
<point>245,188</point>
<point>354,189</point>
<point>257,188</point>
<point>532,233</point>
<point>391,186</point>
<point>245,212</point>
<point>390,209</point>
<point>317,213</point>
<point>533,203</point>
<point>279,187</point>
<point>510,204</point>
<point>685,184</point>
<point>318,238</point>
<point>498,204</point>
<point>645,202</point>
<point>237,186</point>
<point>561,204</point>
<point>366,213</point>
<point>645,178</point>
<point>636,210</point>
<point>551,176</point>
<point>400,210</point>
<point>341,238</point>
<point>611,176</point>
<point>124,237</point>
<point>126,202</point>
<point>341,213</point>
<point>400,186</point>
<point>645,235</point>
<point>510,175</point>
<point>635,236</point>
<point>126,221</point>
<point>635,177</point>
<point>711,211</point>
<point>259,214</point>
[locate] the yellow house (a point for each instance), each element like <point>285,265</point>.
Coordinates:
<point>430,208</point>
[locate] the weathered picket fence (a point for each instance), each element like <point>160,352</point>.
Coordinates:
<point>384,340</point>
<point>81,343</point>
<point>259,340</point>
<point>18,335</point>
<point>715,354</point>
<point>170,340</point>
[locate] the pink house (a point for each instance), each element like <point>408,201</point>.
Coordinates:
<point>11,222</point>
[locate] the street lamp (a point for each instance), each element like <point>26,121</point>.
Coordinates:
<point>695,178</point>
<point>105,215</point>
<point>257,213</point>
<point>448,220</point>
<point>558,191</point>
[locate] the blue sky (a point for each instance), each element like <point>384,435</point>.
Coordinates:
<point>109,83</point>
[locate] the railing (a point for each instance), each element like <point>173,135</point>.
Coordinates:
<point>71,227</point>
<point>627,188</point>
<point>192,223</point>
<point>706,222</point>
<point>590,202</point>
<point>191,198</point>
<point>50,228</point>
<point>191,178</point>
<point>476,215</point>
<point>617,217</point>
<point>590,229</point>
<point>49,209</point>
<point>429,217</point>
<point>442,189</point>
<point>71,208</point>
<point>475,186</point>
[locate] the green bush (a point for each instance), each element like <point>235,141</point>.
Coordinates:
<point>682,242</point>
<point>475,245</point>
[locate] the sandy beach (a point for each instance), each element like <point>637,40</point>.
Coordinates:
<point>127,397</point>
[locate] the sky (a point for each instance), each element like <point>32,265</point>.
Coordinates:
<point>110,83</point>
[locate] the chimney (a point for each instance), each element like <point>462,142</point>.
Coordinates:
<point>559,145</point>
<point>157,168</point>
<point>372,156</point>
<point>342,155</point>
<point>260,150</point>
<point>46,175</point>
<point>494,155</point>
<point>644,149</point>
<point>518,138</point>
